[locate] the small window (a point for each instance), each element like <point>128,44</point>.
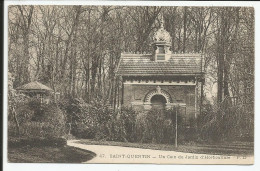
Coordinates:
<point>161,49</point>
<point>160,57</point>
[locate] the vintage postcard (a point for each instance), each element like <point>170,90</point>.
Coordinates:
<point>130,84</point>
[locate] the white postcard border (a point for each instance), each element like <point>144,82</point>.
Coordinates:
<point>128,167</point>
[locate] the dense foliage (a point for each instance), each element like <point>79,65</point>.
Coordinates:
<point>220,122</point>
<point>95,120</point>
<point>27,118</point>
<point>101,122</point>
<point>37,120</point>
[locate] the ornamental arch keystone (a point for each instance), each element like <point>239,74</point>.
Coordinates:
<point>157,91</point>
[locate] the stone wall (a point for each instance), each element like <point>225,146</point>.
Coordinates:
<point>134,95</point>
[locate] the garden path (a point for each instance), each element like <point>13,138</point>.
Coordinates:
<point>118,154</point>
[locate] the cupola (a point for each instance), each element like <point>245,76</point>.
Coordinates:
<point>161,43</point>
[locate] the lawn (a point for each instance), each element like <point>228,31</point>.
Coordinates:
<point>235,148</point>
<point>64,154</point>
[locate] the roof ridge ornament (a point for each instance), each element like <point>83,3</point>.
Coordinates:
<point>158,89</point>
<point>161,35</point>
<point>161,20</point>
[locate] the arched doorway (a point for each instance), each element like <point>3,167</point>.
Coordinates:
<point>158,101</point>
<point>157,98</point>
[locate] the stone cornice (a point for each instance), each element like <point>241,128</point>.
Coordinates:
<point>159,83</point>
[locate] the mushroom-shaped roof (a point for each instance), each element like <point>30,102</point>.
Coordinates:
<point>162,35</point>
<point>34,86</point>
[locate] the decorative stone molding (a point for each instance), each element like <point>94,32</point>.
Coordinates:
<point>158,91</point>
<point>158,88</point>
<point>159,82</point>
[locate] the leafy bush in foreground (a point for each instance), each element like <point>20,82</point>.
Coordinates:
<point>222,122</point>
<point>158,126</point>
<point>97,120</point>
<point>38,120</point>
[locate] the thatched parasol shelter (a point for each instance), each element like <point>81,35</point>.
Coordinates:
<point>37,90</point>
<point>34,86</point>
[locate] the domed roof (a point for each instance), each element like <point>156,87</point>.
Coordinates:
<point>162,35</point>
<point>34,86</point>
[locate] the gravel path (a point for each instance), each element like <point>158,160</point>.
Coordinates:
<point>118,154</point>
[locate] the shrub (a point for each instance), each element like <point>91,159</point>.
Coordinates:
<point>158,126</point>
<point>128,121</point>
<point>120,126</point>
<point>97,120</point>
<point>222,122</point>
<point>45,120</point>
<point>80,120</point>
<point>113,130</point>
<point>154,131</point>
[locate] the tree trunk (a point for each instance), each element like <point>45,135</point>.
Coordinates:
<point>184,29</point>
<point>16,122</point>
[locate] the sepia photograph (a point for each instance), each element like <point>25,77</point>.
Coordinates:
<point>130,84</point>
